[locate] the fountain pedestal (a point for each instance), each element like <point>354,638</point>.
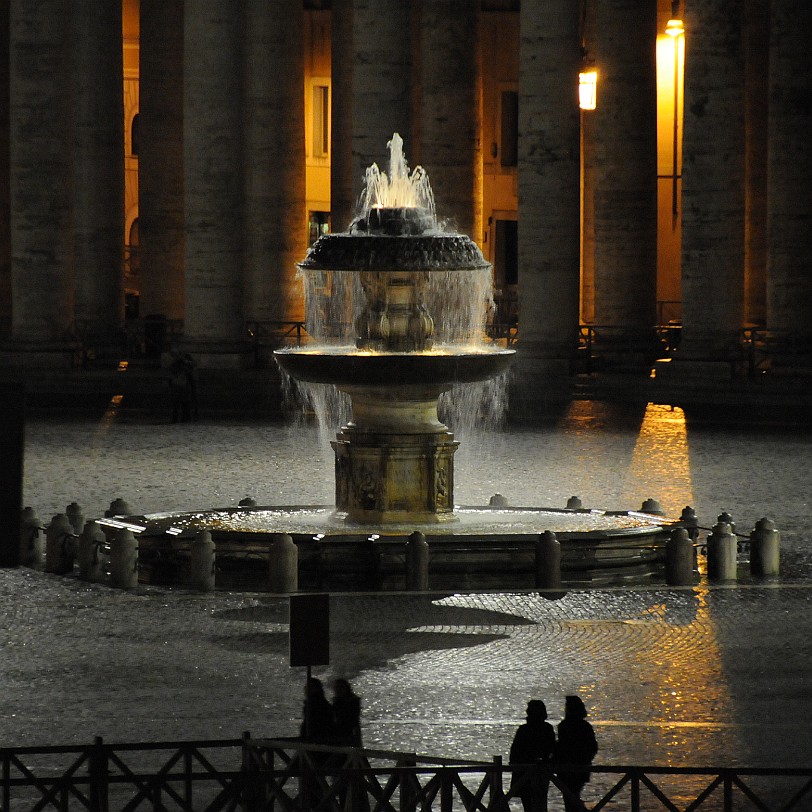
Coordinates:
<point>394,463</point>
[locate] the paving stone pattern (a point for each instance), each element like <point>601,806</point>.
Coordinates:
<point>703,676</point>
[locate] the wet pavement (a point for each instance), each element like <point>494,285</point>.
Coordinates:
<point>697,676</point>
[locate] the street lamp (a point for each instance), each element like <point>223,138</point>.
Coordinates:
<point>588,89</point>
<point>675,29</point>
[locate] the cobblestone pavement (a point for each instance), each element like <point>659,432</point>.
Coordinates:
<point>704,676</point>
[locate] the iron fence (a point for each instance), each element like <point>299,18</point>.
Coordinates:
<point>260,775</point>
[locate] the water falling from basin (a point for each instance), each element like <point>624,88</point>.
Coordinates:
<point>398,307</point>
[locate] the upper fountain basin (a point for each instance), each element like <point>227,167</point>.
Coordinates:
<point>394,239</point>
<point>347,366</point>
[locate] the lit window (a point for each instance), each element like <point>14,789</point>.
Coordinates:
<point>321,121</point>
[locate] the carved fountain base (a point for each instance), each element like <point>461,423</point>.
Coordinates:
<point>394,463</point>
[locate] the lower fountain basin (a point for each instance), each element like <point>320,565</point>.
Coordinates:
<point>485,548</point>
<point>342,366</point>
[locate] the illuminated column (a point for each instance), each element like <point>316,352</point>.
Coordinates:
<point>549,196</point>
<point>625,166</point>
<point>160,158</point>
<point>372,93</point>
<point>213,306</point>
<point>42,252</point>
<point>712,186</point>
<point>789,281</point>
<point>450,118</point>
<point>5,203</point>
<point>275,230</point>
<point>98,180</point>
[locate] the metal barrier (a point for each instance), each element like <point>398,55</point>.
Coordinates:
<point>260,775</point>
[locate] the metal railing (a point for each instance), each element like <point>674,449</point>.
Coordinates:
<point>259,775</point>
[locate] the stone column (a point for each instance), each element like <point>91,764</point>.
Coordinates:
<point>214,326</point>
<point>712,187</point>
<point>98,153</point>
<point>275,226</point>
<point>40,184</point>
<point>549,191</point>
<point>342,198</point>
<point>789,280</point>
<point>160,158</point>
<point>625,162</point>
<point>450,119</point>
<point>5,203</point>
<point>756,43</point>
<point>372,93</point>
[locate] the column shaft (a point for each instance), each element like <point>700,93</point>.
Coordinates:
<point>160,158</point>
<point>789,286</point>
<point>213,307</point>
<point>98,153</point>
<point>40,187</point>
<point>273,115</point>
<point>713,181</point>
<point>625,162</point>
<point>450,118</point>
<point>549,179</point>
<point>5,202</point>
<point>342,196</point>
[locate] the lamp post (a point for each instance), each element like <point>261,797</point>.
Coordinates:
<point>675,29</point>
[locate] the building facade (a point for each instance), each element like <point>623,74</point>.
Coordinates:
<point>167,162</point>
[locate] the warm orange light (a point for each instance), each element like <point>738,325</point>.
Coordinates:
<point>674,28</point>
<point>588,90</point>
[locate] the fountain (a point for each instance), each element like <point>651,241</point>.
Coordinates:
<point>396,310</point>
<point>394,460</point>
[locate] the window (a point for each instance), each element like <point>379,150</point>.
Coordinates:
<point>318,223</point>
<point>321,121</point>
<point>134,136</point>
<point>509,136</point>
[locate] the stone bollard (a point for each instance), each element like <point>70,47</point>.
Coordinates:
<point>417,562</point>
<point>722,564</point>
<point>679,558</point>
<point>688,519</point>
<point>574,503</point>
<point>124,560</point>
<point>283,564</point>
<point>498,501</point>
<point>726,518</point>
<point>91,564</point>
<point>652,507</point>
<point>765,549</point>
<point>32,540</point>
<point>76,517</point>
<point>118,507</point>
<point>60,545</point>
<point>548,561</point>
<point>247,501</point>
<point>201,562</point>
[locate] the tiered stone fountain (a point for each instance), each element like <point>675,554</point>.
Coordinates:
<point>394,461</point>
<point>396,308</point>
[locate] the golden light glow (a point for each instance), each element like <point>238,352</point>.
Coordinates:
<point>674,28</point>
<point>661,460</point>
<point>588,89</point>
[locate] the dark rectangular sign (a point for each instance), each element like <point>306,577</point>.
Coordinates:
<point>309,630</point>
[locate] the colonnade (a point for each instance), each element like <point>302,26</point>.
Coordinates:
<point>222,169</point>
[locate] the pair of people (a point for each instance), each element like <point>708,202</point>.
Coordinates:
<point>337,722</point>
<point>570,754</point>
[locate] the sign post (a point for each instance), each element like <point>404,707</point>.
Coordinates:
<point>309,637</point>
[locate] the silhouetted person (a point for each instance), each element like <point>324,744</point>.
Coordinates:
<point>183,388</point>
<point>534,741</point>
<point>576,746</point>
<point>346,714</point>
<point>317,723</point>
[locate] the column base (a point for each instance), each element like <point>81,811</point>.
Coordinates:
<point>674,370</point>
<point>25,354</point>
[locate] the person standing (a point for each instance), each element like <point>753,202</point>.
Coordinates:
<point>533,742</point>
<point>346,714</point>
<point>575,749</point>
